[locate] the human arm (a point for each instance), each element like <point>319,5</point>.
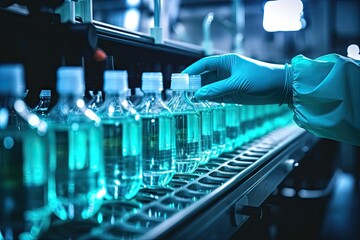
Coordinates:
<point>324,93</point>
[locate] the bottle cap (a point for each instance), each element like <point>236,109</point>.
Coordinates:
<point>70,80</point>
<point>45,93</point>
<point>179,81</point>
<point>115,81</point>
<point>152,82</point>
<point>194,82</point>
<point>12,79</point>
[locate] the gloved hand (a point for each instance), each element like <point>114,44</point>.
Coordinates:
<point>232,78</point>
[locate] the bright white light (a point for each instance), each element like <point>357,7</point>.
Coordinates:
<point>283,15</point>
<point>80,103</point>
<point>132,19</point>
<point>353,51</point>
<point>33,120</point>
<point>133,3</point>
<point>19,106</point>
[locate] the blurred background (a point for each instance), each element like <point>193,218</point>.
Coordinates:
<point>239,25</point>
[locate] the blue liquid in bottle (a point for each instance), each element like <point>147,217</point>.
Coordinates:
<point>25,182</point>
<point>206,119</point>
<point>157,133</point>
<point>187,126</point>
<point>76,152</point>
<point>122,138</point>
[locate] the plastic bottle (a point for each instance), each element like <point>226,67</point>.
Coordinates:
<point>206,118</point>
<point>25,185</point>
<point>158,131</point>
<point>75,137</point>
<point>122,138</point>
<point>219,129</point>
<point>187,125</point>
<point>42,107</point>
<point>232,119</point>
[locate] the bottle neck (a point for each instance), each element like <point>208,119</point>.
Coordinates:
<point>116,96</point>
<point>153,95</point>
<point>69,99</point>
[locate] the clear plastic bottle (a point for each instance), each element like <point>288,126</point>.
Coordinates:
<point>187,125</point>
<point>25,183</point>
<point>232,118</point>
<point>206,118</point>
<point>219,129</point>
<point>75,137</point>
<point>158,133</point>
<point>122,138</point>
<point>42,107</point>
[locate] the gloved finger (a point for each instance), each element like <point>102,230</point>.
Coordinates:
<point>204,65</point>
<point>216,89</point>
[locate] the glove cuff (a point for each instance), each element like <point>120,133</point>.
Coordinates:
<point>287,92</point>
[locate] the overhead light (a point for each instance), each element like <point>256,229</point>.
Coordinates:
<point>353,51</point>
<point>283,15</point>
<point>132,19</point>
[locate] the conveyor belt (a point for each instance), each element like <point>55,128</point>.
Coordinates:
<point>210,203</point>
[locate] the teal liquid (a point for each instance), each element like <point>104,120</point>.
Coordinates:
<point>187,141</point>
<point>232,122</point>
<point>219,131</point>
<point>76,151</point>
<point>158,150</point>
<point>122,158</point>
<point>24,186</point>
<point>206,135</point>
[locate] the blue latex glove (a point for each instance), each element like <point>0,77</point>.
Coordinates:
<point>232,78</point>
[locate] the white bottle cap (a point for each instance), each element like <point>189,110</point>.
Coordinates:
<point>70,80</point>
<point>194,82</point>
<point>152,82</point>
<point>115,81</point>
<point>179,81</point>
<point>12,79</point>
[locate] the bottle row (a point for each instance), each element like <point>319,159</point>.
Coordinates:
<point>66,160</point>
